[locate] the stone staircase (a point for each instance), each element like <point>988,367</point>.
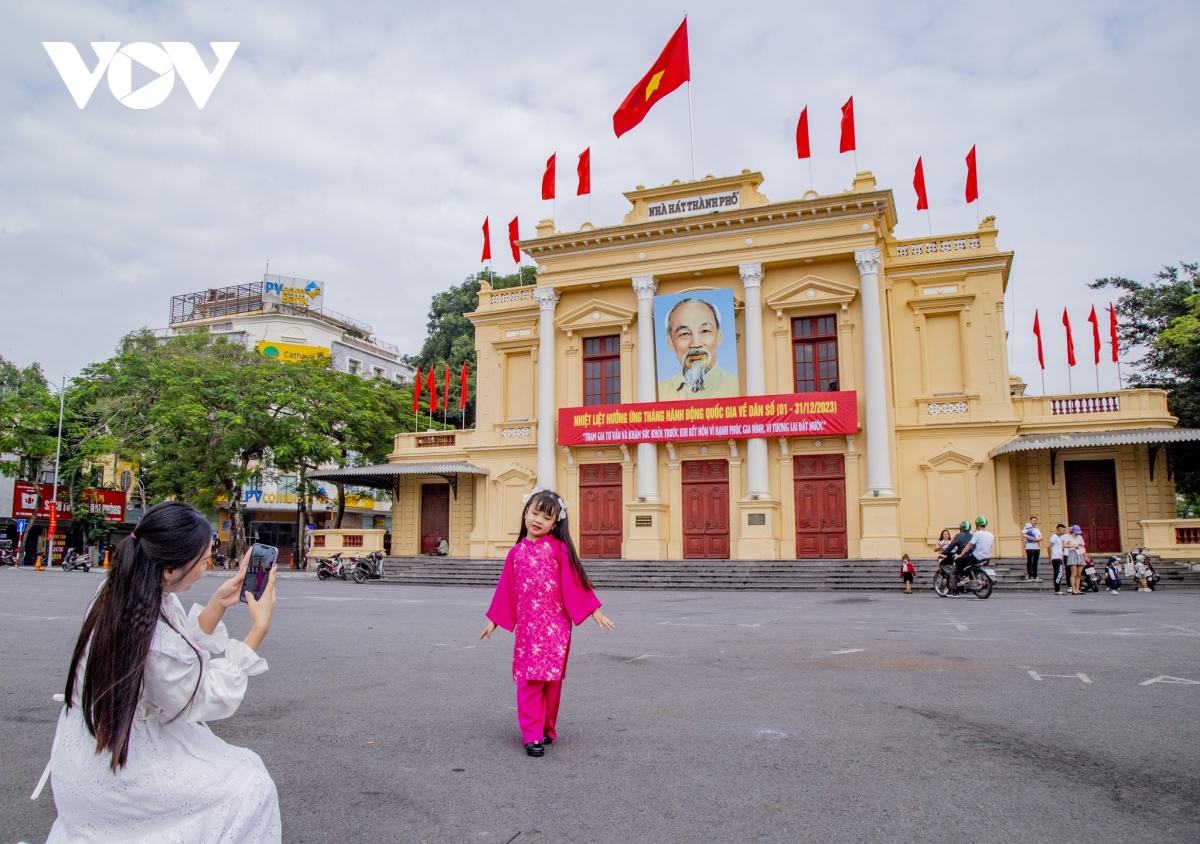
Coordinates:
<point>817,575</point>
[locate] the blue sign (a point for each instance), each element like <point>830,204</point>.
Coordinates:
<point>20,525</point>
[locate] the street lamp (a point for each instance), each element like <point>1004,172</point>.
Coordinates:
<point>52,528</point>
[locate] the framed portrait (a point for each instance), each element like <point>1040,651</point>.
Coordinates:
<point>696,345</point>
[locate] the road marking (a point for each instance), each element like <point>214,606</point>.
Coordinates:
<point>1178,681</point>
<point>751,625</point>
<point>846,651</point>
<point>958,625</point>
<point>1077,675</point>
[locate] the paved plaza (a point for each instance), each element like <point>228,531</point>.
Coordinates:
<point>704,717</point>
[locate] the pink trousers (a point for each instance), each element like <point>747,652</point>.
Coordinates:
<point>537,708</point>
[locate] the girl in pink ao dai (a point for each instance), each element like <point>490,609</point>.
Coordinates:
<point>543,590</point>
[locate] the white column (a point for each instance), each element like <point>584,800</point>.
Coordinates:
<point>647,383</point>
<point>879,459</point>
<point>547,298</point>
<point>757,485</point>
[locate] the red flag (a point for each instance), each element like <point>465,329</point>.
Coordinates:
<point>1070,342</point>
<point>417,385</point>
<point>584,169</point>
<point>1112,330</point>
<point>431,383</point>
<point>802,150</point>
<point>1095,321</point>
<point>1037,331</point>
<point>847,143</point>
<point>669,71</point>
<point>487,243</point>
<point>972,177</point>
<point>919,187</point>
<point>462,395</point>
<point>548,178</point>
<point>513,237</point>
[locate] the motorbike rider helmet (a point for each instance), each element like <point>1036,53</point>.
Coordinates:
<point>964,525</point>
<point>981,521</point>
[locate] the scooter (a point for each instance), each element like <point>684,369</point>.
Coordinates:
<point>977,579</point>
<point>8,557</point>
<point>1089,580</point>
<point>367,568</point>
<point>74,561</point>
<point>332,566</point>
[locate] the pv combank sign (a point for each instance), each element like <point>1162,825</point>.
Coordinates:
<point>172,56</point>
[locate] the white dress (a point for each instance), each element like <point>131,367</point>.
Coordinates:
<point>181,783</point>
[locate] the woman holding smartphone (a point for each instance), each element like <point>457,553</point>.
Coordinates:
<point>133,760</point>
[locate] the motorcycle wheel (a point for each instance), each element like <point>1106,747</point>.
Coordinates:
<point>322,574</point>
<point>941,585</point>
<point>982,586</point>
<point>87,567</point>
<point>359,577</point>
<point>343,575</point>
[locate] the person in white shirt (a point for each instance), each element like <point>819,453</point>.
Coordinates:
<point>1076,550</point>
<point>1033,548</point>
<point>1056,558</point>
<point>980,547</point>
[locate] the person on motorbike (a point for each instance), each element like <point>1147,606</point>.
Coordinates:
<point>979,551</point>
<point>957,546</point>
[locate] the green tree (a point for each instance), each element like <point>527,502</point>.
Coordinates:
<point>1162,320</point>
<point>28,428</point>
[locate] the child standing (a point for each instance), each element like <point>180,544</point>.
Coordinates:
<point>543,590</point>
<point>907,573</point>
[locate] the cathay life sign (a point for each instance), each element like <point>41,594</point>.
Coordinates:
<point>172,56</point>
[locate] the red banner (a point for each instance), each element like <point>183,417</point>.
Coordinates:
<point>741,418</point>
<point>110,502</point>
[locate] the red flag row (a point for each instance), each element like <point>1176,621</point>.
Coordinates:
<point>430,383</point>
<point>1096,345</point>
<point>972,186</point>
<point>583,169</point>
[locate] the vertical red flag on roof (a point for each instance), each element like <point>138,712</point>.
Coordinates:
<point>670,70</point>
<point>417,385</point>
<point>972,177</point>
<point>919,187</point>
<point>1037,332</point>
<point>1070,342</point>
<point>802,149</point>
<point>847,142</point>
<point>431,383</point>
<point>548,178</point>
<point>1112,330</point>
<point>584,169</point>
<point>1095,321</point>
<point>462,395</point>
<point>446,388</point>
<point>513,237</point>
<point>487,243</point>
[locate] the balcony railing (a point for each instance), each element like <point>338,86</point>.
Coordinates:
<point>1063,411</point>
<point>1085,404</point>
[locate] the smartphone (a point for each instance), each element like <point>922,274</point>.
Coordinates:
<point>262,560</point>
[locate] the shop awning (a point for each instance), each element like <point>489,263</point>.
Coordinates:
<point>1093,439</point>
<point>382,477</point>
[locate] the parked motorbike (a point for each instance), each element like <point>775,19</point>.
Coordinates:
<point>977,579</point>
<point>331,566</point>
<point>8,557</point>
<point>220,560</point>
<point>1089,580</point>
<point>74,561</point>
<point>367,568</point>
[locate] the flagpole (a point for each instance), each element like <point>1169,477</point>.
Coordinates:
<point>1043,381</point>
<point>929,221</point>
<point>810,179</point>
<point>691,133</point>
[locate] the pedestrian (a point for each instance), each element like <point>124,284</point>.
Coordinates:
<point>1056,558</point>
<point>1142,574</point>
<point>907,573</point>
<point>1033,548</point>
<point>1153,578</point>
<point>133,759</point>
<point>943,541</point>
<point>1076,553</point>
<point>1112,575</point>
<point>543,590</point>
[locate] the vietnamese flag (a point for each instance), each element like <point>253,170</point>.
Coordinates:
<point>584,169</point>
<point>487,243</point>
<point>1112,330</point>
<point>431,383</point>
<point>847,142</point>
<point>462,395</point>
<point>972,177</point>
<point>417,385</point>
<point>1070,342</point>
<point>802,149</point>
<point>670,70</point>
<point>1037,332</point>
<point>919,187</point>
<point>548,178</point>
<point>1095,321</point>
<point>513,237</point>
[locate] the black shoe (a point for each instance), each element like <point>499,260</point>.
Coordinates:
<point>535,748</point>
<point>546,740</point>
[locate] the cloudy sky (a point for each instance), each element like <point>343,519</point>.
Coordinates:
<point>363,144</point>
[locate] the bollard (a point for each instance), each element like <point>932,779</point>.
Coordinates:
<point>105,558</point>
<point>210,565</point>
<point>37,564</point>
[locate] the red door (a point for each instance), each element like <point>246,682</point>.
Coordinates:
<point>820,487</point>
<point>1092,503</point>
<point>705,509</point>
<point>600,511</point>
<point>435,516</point>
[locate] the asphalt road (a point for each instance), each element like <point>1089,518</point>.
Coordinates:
<point>704,717</point>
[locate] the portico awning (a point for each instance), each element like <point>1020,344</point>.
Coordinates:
<point>1093,439</point>
<point>382,477</point>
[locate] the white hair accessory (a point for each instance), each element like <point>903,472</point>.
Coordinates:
<point>562,509</point>
<point>562,505</point>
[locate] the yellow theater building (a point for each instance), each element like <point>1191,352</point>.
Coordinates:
<point>808,386</point>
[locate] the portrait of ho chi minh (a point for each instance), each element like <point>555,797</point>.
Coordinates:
<point>691,358</point>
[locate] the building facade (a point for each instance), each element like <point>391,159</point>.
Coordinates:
<point>877,368</point>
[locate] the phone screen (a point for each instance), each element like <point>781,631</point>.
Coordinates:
<point>262,558</point>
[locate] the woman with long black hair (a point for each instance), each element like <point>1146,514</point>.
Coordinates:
<point>133,760</point>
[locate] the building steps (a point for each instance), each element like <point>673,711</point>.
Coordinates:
<point>817,575</point>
